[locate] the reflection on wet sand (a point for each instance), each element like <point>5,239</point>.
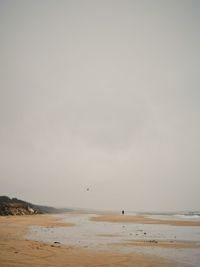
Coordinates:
<point>179,243</point>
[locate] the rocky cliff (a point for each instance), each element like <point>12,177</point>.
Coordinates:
<point>14,206</point>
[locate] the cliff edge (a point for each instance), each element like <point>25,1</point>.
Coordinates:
<point>14,206</point>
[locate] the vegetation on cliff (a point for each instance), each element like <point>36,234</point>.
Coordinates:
<point>14,206</point>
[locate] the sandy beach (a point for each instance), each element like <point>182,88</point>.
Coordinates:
<point>115,218</point>
<point>16,250</point>
<point>99,133</point>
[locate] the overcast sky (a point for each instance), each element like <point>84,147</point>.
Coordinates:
<point>102,95</point>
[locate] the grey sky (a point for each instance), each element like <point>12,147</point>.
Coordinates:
<point>101,94</point>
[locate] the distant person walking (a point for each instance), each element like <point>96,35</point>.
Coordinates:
<point>122,212</point>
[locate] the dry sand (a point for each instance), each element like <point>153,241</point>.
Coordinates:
<point>15,250</point>
<point>115,218</point>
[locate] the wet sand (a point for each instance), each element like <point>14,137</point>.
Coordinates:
<point>160,244</point>
<point>115,218</point>
<point>15,250</point>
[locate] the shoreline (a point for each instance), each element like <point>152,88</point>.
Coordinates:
<point>16,250</point>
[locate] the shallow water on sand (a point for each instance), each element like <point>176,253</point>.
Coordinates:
<point>102,235</point>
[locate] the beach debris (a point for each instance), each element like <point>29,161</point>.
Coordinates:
<point>152,241</point>
<point>56,244</point>
<point>53,246</point>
